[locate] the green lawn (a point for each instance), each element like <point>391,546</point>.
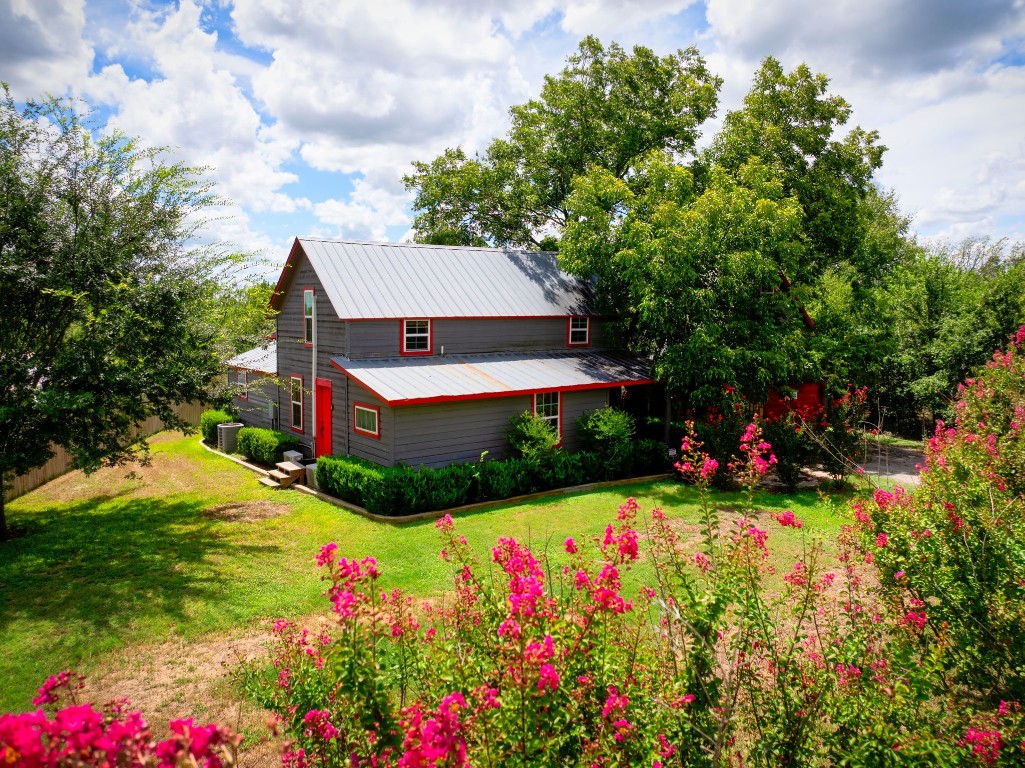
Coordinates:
<point>107,562</point>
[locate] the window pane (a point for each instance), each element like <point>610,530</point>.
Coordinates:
<point>297,415</point>
<point>308,303</point>
<point>417,337</point>
<point>578,327</point>
<point>366,420</point>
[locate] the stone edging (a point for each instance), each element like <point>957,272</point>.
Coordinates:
<point>440,512</point>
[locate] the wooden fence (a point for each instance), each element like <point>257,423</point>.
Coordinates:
<point>61,461</point>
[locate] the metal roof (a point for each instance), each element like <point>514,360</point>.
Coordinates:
<point>408,381</point>
<point>260,359</point>
<point>380,281</point>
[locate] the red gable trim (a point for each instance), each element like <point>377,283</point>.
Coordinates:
<point>491,395</point>
<point>277,298</point>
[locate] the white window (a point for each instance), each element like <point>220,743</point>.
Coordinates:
<point>579,330</point>
<point>546,405</point>
<point>366,420</point>
<point>243,385</point>
<point>416,337</point>
<point>297,402</point>
<point>308,315</point>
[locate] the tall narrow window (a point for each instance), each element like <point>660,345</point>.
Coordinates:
<point>416,337</point>
<point>546,405</point>
<point>297,402</point>
<point>366,420</point>
<point>243,385</point>
<point>579,331</point>
<point>308,315</point>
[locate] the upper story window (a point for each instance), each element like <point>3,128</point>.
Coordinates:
<point>308,315</point>
<point>416,337</point>
<point>579,331</point>
<point>296,394</point>
<point>546,405</point>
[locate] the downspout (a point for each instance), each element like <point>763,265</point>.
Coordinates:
<point>313,379</point>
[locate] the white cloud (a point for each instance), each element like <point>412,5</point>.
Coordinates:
<point>41,46</point>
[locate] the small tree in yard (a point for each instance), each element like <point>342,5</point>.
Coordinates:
<point>102,323</point>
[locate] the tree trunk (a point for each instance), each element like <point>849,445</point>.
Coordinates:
<point>3,515</point>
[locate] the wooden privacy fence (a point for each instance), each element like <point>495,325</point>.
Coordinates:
<point>61,461</point>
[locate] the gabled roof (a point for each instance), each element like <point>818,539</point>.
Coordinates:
<point>411,381</point>
<point>381,281</point>
<point>262,359</point>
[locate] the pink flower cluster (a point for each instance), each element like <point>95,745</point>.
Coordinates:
<point>787,519</point>
<point>985,745</point>
<point>82,736</point>
<point>439,740</point>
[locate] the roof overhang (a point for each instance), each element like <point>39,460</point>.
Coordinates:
<point>406,381</point>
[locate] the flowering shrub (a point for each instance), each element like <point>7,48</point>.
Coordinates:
<point>544,659</point>
<point>952,556</point>
<point>79,735</point>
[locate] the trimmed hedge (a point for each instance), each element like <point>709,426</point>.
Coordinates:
<point>265,445</point>
<point>210,420</point>
<point>402,490</point>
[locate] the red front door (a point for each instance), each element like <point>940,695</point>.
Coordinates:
<point>324,418</point>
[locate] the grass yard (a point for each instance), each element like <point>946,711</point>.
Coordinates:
<point>145,583</point>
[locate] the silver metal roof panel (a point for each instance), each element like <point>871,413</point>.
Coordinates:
<point>262,359</point>
<point>406,381</point>
<point>367,281</point>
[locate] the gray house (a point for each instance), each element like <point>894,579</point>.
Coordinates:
<point>255,374</point>
<point>420,354</point>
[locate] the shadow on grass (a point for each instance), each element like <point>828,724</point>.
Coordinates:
<point>108,562</point>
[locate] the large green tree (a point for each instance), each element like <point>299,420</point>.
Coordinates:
<point>707,260</point>
<point>103,319</point>
<point>605,110</point>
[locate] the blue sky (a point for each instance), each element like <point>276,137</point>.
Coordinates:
<point>308,113</point>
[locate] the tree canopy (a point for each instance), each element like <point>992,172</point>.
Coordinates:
<point>606,110</point>
<point>103,322</point>
<point>706,259</point>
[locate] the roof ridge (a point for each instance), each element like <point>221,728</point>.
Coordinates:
<point>484,248</point>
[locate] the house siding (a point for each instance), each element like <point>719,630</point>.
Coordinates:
<point>296,359</point>
<point>382,338</point>
<point>437,435</point>
<point>574,405</point>
<point>373,449</point>
<point>255,410</point>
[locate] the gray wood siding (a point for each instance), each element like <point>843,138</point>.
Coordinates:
<point>255,411</point>
<point>381,338</point>
<point>574,404</point>
<point>380,451</point>
<point>437,435</point>
<point>296,359</point>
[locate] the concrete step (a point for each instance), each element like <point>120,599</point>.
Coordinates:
<point>283,479</point>
<point>269,482</point>
<point>290,467</point>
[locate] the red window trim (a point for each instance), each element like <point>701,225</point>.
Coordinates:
<point>291,404</point>
<point>239,373</point>
<point>402,337</point>
<point>569,331</point>
<point>366,407</point>
<point>533,407</point>
<point>308,289</point>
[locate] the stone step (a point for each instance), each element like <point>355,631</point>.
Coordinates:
<point>283,479</point>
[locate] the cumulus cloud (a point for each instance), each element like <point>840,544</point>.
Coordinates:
<point>41,46</point>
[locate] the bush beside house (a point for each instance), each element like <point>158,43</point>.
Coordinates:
<point>265,445</point>
<point>402,490</point>
<point>210,420</point>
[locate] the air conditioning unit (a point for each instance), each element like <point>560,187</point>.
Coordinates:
<point>227,437</point>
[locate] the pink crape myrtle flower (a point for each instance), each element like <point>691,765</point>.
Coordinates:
<point>787,519</point>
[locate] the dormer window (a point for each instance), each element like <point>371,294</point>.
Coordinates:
<point>416,337</point>
<point>308,316</point>
<point>579,331</point>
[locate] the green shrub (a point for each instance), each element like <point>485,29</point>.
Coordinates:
<point>210,420</point>
<point>530,435</point>
<point>650,457</point>
<point>791,446</point>
<point>349,478</point>
<point>502,479</point>
<point>607,431</point>
<point>265,445</point>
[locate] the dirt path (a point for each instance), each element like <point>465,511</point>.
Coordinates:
<point>900,465</point>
